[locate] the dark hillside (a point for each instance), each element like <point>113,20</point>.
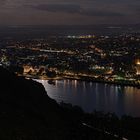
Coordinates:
<point>27,113</point>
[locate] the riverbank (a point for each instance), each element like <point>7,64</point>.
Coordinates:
<point>119,83</point>
<point>84,78</point>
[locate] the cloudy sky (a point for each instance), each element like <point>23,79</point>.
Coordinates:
<point>69,12</point>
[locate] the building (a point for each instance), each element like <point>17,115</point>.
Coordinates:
<point>137,63</point>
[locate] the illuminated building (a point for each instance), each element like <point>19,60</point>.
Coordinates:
<point>138,66</point>
<point>28,69</point>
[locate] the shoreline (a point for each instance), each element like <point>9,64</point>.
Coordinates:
<point>87,79</point>
<point>108,82</point>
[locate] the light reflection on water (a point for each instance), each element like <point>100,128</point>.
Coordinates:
<point>96,96</point>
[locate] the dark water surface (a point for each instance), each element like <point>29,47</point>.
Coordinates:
<point>96,96</point>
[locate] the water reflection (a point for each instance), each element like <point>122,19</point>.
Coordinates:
<point>96,96</point>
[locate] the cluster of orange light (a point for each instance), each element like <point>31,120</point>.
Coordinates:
<point>98,50</point>
<point>138,62</point>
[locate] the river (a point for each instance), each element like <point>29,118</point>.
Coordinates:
<point>96,96</point>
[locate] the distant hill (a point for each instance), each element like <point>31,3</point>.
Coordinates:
<point>31,32</point>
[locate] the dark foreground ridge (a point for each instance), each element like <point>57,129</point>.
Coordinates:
<point>27,113</point>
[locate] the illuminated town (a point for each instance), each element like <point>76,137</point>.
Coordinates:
<point>70,69</point>
<point>111,59</point>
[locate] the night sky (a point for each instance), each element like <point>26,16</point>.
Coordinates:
<point>69,12</point>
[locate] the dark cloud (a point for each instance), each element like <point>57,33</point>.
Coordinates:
<point>69,11</point>
<point>77,9</point>
<point>100,13</point>
<point>2,2</point>
<point>68,8</point>
<point>135,8</point>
